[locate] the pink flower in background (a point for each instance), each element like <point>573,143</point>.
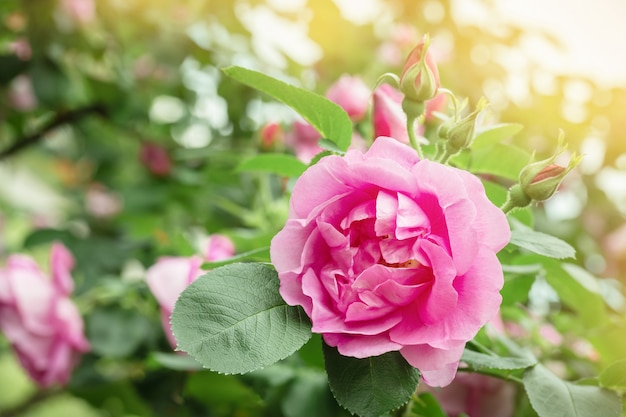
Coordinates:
<point>82,11</point>
<point>21,48</point>
<point>303,139</point>
<point>170,275</point>
<point>477,396</point>
<point>387,115</point>
<point>352,95</point>
<point>386,252</point>
<point>437,104</point>
<point>38,318</point>
<point>156,158</point>
<point>21,94</point>
<point>101,203</point>
<point>271,134</point>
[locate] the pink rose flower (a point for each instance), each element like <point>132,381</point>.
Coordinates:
<point>386,252</point>
<point>170,275</point>
<point>38,318</point>
<point>352,95</point>
<point>303,139</point>
<point>477,396</point>
<point>387,115</point>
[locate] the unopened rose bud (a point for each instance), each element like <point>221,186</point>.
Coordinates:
<point>419,80</point>
<point>539,180</point>
<point>271,134</point>
<point>460,133</point>
<point>155,158</point>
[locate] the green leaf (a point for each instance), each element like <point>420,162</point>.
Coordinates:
<point>372,386</point>
<point>233,320</point>
<point>275,163</point>
<point>255,254</point>
<point>542,244</point>
<point>425,405</point>
<point>494,134</point>
<point>481,360</point>
<point>175,361</point>
<point>502,160</point>
<point>553,397</point>
<point>614,376</point>
<point>329,145</point>
<point>308,395</point>
<point>328,118</point>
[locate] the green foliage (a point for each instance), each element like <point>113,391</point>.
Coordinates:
<point>492,135</point>
<point>542,244</point>
<point>553,397</point>
<point>479,360</point>
<point>116,332</point>
<point>424,405</point>
<point>614,376</point>
<point>233,320</point>
<point>371,386</point>
<point>328,118</point>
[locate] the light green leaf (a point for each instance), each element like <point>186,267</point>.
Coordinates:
<point>500,159</point>
<point>328,118</point>
<point>553,397</point>
<point>495,134</point>
<point>233,320</point>
<point>275,163</point>
<point>614,376</point>
<point>542,244</point>
<point>372,386</point>
<point>480,360</point>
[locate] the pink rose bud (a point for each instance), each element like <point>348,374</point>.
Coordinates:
<point>271,134</point>
<point>38,318</point>
<point>539,180</point>
<point>386,252</point>
<point>170,275</point>
<point>156,158</point>
<point>388,117</point>
<point>352,95</point>
<point>419,80</point>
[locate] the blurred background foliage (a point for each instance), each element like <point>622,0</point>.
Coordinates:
<point>119,136</point>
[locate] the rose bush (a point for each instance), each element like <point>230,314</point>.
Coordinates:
<point>38,318</point>
<point>387,252</point>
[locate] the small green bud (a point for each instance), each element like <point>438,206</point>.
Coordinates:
<point>419,80</point>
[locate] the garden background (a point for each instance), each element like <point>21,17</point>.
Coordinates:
<point>121,138</point>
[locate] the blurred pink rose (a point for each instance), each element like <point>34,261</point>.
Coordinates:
<point>437,104</point>
<point>101,203</point>
<point>156,158</point>
<point>477,396</point>
<point>21,94</point>
<point>387,115</point>
<point>170,275</point>
<point>352,95</point>
<point>389,253</point>
<point>303,139</point>
<point>21,48</point>
<point>39,319</point>
<point>271,134</point>
<point>82,11</point>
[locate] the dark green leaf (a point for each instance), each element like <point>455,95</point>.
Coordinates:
<point>482,360</point>
<point>553,397</point>
<point>10,67</point>
<point>542,244</point>
<point>372,386</point>
<point>328,118</point>
<point>275,163</point>
<point>233,320</point>
<point>308,395</point>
